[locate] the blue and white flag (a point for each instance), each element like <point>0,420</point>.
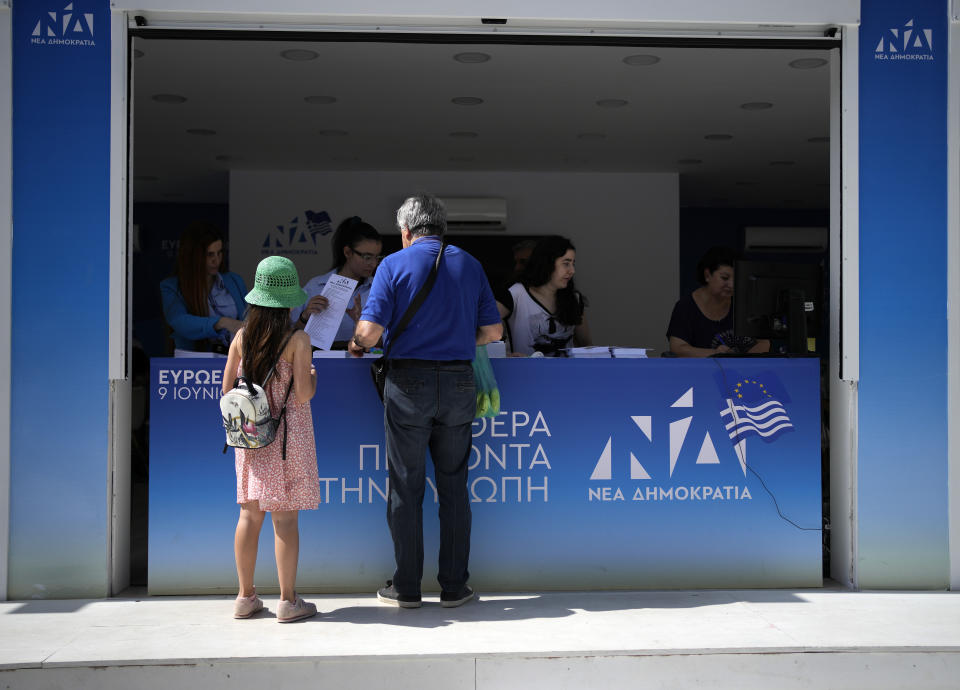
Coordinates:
<point>751,408</point>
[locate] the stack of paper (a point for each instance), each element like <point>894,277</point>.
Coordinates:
<point>592,352</point>
<point>329,354</point>
<point>629,352</point>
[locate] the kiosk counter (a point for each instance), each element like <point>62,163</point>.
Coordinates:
<point>597,474</point>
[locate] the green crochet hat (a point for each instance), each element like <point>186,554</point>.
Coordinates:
<point>277,284</point>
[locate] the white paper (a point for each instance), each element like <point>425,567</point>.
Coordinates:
<point>630,352</point>
<point>322,328</point>
<point>190,353</point>
<point>591,352</point>
<point>329,354</point>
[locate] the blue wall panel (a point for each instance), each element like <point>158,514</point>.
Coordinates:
<point>61,230</point>
<point>902,459</point>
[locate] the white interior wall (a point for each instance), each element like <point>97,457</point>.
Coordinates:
<point>953,295</point>
<point>625,227</point>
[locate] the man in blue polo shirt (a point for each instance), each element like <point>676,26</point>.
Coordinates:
<point>429,398</point>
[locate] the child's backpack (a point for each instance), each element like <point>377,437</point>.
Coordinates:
<point>245,412</point>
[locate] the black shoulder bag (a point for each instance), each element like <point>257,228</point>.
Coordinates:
<point>378,368</point>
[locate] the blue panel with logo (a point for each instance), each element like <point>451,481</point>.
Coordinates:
<point>60,281</point>
<point>597,474</point>
<point>902,442</point>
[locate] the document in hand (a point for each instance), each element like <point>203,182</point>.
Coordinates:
<point>322,328</point>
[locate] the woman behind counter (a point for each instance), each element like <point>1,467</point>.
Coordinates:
<point>356,253</point>
<point>203,306</point>
<point>544,311</point>
<point>702,322</point>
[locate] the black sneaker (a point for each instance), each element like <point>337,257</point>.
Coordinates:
<point>388,595</point>
<point>450,599</point>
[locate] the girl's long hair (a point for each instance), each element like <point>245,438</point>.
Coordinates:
<point>192,266</point>
<point>350,233</point>
<point>264,330</point>
<point>539,270</point>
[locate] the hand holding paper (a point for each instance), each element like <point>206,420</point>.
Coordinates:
<point>322,328</point>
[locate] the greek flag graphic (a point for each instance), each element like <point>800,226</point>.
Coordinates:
<point>752,409</point>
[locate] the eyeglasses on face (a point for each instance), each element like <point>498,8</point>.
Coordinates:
<point>368,257</point>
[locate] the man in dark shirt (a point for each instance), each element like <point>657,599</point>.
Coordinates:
<point>429,397</point>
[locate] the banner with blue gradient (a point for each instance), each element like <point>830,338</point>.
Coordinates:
<point>902,473</point>
<point>61,254</point>
<point>597,474</point>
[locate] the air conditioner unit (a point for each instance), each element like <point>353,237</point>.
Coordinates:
<point>786,239</point>
<point>481,213</point>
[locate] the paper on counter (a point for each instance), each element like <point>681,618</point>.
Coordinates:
<point>630,352</point>
<point>329,354</point>
<point>190,353</point>
<point>322,328</point>
<point>590,351</point>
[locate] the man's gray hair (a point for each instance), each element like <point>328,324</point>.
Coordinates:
<point>423,214</point>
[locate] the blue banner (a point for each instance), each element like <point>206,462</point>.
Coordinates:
<point>597,474</point>
<point>61,253</point>
<point>901,483</point>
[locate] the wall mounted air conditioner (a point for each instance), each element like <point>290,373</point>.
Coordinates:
<point>762,239</point>
<point>474,214</point>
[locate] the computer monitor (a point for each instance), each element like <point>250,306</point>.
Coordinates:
<point>781,302</point>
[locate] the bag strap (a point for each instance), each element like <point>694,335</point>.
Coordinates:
<point>418,300</point>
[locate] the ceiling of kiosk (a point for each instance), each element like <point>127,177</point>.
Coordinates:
<point>743,127</point>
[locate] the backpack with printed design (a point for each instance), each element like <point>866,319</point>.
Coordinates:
<point>245,412</point>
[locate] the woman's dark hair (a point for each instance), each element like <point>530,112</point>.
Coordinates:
<point>714,259</point>
<point>192,265</point>
<point>539,269</point>
<point>350,233</point>
<point>264,329</point>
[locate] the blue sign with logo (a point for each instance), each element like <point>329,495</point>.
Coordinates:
<point>597,474</point>
<point>903,515</point>
<point>60,258</point>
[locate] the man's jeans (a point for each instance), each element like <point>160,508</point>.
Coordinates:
<point>429,404</point>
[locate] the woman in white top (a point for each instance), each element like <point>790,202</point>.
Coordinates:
<point>544,311</point>
<point>356,254</point>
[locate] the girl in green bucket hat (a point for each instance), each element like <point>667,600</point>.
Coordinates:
<point>278,478</point>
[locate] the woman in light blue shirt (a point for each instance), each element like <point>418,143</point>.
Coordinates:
<point>202,305</point>
<point>356,254</point>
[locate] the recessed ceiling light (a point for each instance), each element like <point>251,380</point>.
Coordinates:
<point>169,98</point>
<point>320,100</point>
<point>641,60</point>
<point>225,158</point>
<point>299,55</point>
<point>464,135</point>
<point>137,53</point>
<point>576,160</point>
<point>173,195</point>
<point>612,102</point>
<point>591,136</point>
<point>718,137</point>
<point>471,58</point>
<point>145,178</point>
<point>757,105</point>
<point>461,159</point>
<point>466,100</point>
<point>202,132</point>
<point>808,63</point>
<point>332,133</point>
<point>346,159</point>
<point>689,161</point>
<point>782,163</point>
<point>743,183</point>
<point>818,140</point>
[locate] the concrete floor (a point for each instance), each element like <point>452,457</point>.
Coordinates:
<point>752,638</point>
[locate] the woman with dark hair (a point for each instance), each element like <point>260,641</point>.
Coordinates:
<point>702,322</point>
<point>280,478</point>
<point>202,305</point>
<point>356,254</point>
<point>544,311</point>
